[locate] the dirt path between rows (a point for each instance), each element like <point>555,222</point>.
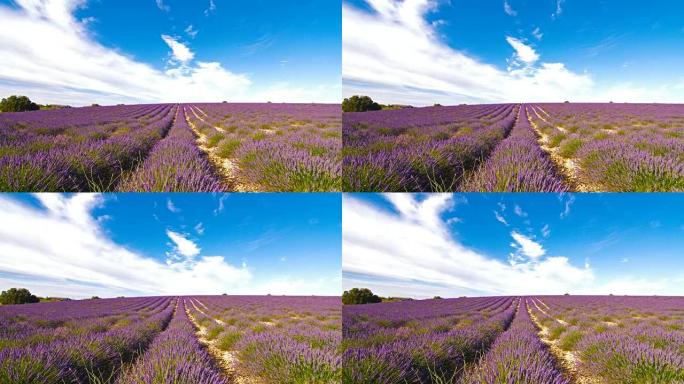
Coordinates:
<point>568,168</point>
<point>228,168</point>
<point>227,360</point>
<point>568,360</point>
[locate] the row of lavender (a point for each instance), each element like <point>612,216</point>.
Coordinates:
<point>431,341</point>
<point>278,340</point>
<point>426,149</point>
<point>270,147</point>
<point>618,147</point>
<point>517,164</point>
<point>77,342</point>
<point>274,147</point>
<point>518,356</point>
<point>175,164</point>
<point>84,149</point>
<point>594,147</point>
<point>617,339</point>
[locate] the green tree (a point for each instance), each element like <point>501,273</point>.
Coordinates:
<point>360,104</point>
<point>17,296</point>
<point>18,104</point>
<point>359,296</point>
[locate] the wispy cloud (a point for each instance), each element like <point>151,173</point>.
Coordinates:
<point>199,228</point>
<point>182,245</point>
<point>526,247</point>
<point>508,9</point>
<point>67,65</point>
<point>568,200</point>
<point>546,231</point>
<point>559,9</point>
<point>415,250</point>
<point>537,33</point>
<point>221,203</point>
<point>519,211</point>
<point>191,31</point>
<point>171,206</point>
<point>267,237</point>
<point>407,61</point>
<point>211,9</point>
<point>180,51</point>
<point>523,52</point>
<point>263,42</point>
<point>162,6</point>
<point>76,257</point>
<point>500,218</point>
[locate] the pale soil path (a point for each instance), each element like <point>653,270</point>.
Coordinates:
<point>569,360</point>
<point>228,168</point>
<point>559,321</point>
<point>217,321</point>
<point>568,167</point>
<point>228,360</point>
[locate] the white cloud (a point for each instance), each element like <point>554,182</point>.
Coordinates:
<point>519,211</point>
<point>509,10</point>
<point>559,9</point>
<point>454,220</point>
<point>221,204</point>
<point>407,62</point>
<point>523,52</point>
<point>75,258</point>
<point>183,245</point>
<point>211,9</point>
<point>171,206</point>
<point>162,6</point>
<point>546,231</point>
<point>179,50</point>
<point>537,33</point>
<point>199,228</point>
<point>527,247</point>
<point>66,65</point>
<point>500,218</point>
<point>191,31</point>
<point>568,200</point>
<point>415,249</point>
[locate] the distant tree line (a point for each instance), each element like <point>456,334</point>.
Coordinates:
<point>360,296</point>
<point>18,104</point>
<point>18,296</point>
<point>358,103</point>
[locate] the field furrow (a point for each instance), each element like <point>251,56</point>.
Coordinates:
<point>589,147</point>
<point>171,147</point>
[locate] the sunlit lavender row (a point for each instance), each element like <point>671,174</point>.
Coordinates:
<point>513,147</point>
<point>507,340</point>
<point>179,340</point>
<point>173,148</point>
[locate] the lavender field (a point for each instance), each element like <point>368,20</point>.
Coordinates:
<point>173,148</point>
<point>506,340</point>
<point>516,148</point>
<point>179,340</point>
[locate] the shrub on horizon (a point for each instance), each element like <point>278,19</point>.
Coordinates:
<point>16,103</point>
<point>360,296</point>
<point>18,296</point>
<point>360,104</point>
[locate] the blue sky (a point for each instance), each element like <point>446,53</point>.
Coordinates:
<point>514,50</point>
<point>150,244</point>
<point>489,244</point>
<point>171,50</point>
